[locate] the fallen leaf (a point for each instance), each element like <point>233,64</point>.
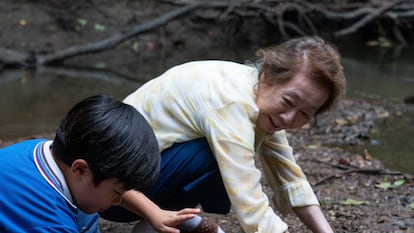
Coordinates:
<point>341,122</point>
<point>398,183</point>
<point>350,201</point>
<point>100,65</point>
<point>82,22</point>
<point>387,184</point>
<point>384,185</point>
<point>135,46</point>
<point>313,146</point>
<point>367,155</point>
<point>150,45</point>
<point>99,27</point>
<point>23,22</point>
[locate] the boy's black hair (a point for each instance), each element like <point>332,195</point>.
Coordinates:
<point>115,140</point>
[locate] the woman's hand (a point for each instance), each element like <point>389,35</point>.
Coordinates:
<point>313,218</point>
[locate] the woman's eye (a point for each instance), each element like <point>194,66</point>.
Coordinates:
<point>306,115</point>
<point>287,102</point>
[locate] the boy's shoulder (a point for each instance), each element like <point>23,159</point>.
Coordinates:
<point>27,145</point>
<point>28,142</point>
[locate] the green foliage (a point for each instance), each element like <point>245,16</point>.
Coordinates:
<point>388,185</point>
<point>82,22</point>
<point>135,46</point>
<point>350,201</point>
<point>100,65</point>
<point>99,27</point>
<point>384,42</point>
<point>412,206</point>
<point>327,201</point>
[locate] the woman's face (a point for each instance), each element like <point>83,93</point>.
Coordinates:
<point>288,105</point>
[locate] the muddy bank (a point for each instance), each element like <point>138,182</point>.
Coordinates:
<point>348,185</point>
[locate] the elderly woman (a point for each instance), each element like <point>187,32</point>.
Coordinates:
<point>211,118</point>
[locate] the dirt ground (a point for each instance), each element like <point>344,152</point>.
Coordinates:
<point>345,183</point>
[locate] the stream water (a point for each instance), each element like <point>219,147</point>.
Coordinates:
<point>32,103</point>
<point>379,74</point>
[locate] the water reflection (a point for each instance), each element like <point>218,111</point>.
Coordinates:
<point>379,72</point>
<point>396,141</point>
<point>33,102</point>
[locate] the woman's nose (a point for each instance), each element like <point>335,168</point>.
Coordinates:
<point>288,119</point>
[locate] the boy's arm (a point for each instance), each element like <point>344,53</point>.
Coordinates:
<point>313,218</point>
<point>161,220</point>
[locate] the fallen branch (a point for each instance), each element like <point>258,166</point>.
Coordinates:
<point>10,57</point>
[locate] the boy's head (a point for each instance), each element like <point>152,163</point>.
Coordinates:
<point>113,138</point>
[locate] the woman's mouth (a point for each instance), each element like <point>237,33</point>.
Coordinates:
<point>275,125</point>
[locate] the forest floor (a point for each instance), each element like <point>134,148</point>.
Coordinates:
<point>357,193</point>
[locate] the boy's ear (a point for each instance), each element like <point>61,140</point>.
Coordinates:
<point>80,167</point>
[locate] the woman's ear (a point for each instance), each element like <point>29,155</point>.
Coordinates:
<point>262,77</point>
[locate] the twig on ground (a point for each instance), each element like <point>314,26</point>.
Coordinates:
<point>353,170</point>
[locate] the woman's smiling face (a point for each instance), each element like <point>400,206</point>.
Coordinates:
<point>290,104</point>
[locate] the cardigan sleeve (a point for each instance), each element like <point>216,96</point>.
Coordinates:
<point>233,147</point>
<point>284,175</point>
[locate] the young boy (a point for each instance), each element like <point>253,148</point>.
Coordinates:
<point>95,157</point>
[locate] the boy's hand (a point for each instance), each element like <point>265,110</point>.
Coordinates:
<point>162,221</point>
<point>167,220</point>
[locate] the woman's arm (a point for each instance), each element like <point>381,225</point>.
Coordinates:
<point>313,218</point>
<point>161,220</point>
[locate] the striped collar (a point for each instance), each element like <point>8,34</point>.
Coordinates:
<point>50,170</point>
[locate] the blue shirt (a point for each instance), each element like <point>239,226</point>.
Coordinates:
<point>32,197</point>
